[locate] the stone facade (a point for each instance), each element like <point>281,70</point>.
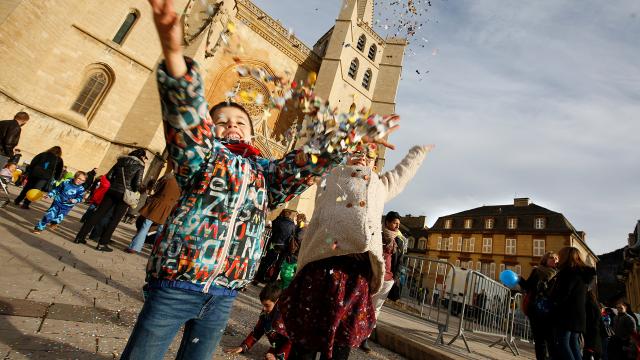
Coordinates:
<point>54,49</point>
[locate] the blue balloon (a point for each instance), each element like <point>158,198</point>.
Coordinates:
<point>509,278</point>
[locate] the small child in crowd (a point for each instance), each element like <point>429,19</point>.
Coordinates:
<point>341,263</point>
<point>65,197</point>
<point>7,172</point>
<point>270,324</point>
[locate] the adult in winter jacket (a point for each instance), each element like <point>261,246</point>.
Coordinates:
<point>156,210</point>
<point>10,133</point>
<point>568,299</point>
<point>125,174</point>
<point>282,232</point>
<point>211,244</point>
<point>594,330</point>
<point>623,327</point>
<point>43,169</point>
<point>91,176</point>
<point>537,287</point>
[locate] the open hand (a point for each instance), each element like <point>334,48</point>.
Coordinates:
<point>269,357</point>
<point>170,32</point>
<point>235,350</point>
<point>391,121</point>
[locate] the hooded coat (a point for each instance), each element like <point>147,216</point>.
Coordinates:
<point>569,296</point>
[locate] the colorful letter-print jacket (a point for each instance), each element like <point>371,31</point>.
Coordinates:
<point>214,234</point>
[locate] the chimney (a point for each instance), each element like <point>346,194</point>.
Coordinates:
<point>521,202</point>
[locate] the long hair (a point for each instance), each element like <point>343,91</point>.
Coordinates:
<point>546,256</point>
<point>570,258</point>
<point>56,150</point>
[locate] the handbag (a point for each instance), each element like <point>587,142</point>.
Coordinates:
<point>131,198</point>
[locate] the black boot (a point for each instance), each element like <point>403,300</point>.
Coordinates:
<point>80,240</point>
<point>104,248</point>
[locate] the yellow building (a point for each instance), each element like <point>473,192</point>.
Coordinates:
<point>85,72</point>
<point>493,238</point>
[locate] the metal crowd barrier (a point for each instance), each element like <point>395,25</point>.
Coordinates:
<point>424,290</point>
<point>484,308</point>
<point>520,328</point>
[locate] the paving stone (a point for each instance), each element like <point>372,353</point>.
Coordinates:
<point>19,323</point>
<point>21,307</point>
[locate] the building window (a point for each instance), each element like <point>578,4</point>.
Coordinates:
<point>373,49</point>
<point>478,266</point>
<point>422,244</point>
<point>488,224</point>
<point>538,247</point>
<point>366,80</point>
<point>411,242</point>
<point>362,41</point>
<point>539,223</point>
<point>459,245</point>
<point>502,267</point>
<point>439,244</point>
<point>518,269</point>
<point>468,223</point>
<point>485,269</point>
<point>126,26</point>
<point>447,224</point>
<point>95,88</point>
<point>458,263</point>
<point>487,245</point>
<point>492,270</point>
<point>512,223</point>
<point>353,68</point>
<point>510,247</point>
<point>468,244</point>
<point>450,243</point>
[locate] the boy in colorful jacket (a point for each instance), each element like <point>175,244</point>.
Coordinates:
<point>212,242</point>
<point>65,197</point>
<point>270,324</point>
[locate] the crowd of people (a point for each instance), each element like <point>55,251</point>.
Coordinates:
<point>335,271</point>
<point>567,321</point>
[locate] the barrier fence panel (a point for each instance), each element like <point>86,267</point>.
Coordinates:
<point>520,328</point>
<point>424,290</point>
<point>484,308</point>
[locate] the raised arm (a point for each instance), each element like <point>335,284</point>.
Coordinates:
<point>396,179</point>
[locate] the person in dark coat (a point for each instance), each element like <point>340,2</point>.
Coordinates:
<point>568,298</point>
<point>595,329</point>
<point>91,176</point>
<point>536,286</point>
<point>44,168</point>
<point>282,232</point>
<point>128,168</point>
<point>624,326</point>
<point>10,131</point>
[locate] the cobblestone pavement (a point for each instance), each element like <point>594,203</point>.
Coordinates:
<point>60,300</point>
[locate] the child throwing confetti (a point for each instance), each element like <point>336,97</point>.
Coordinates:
<point>341,259</point>
<point>65,197</point>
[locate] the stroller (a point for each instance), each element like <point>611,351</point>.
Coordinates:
<point>6,199</point>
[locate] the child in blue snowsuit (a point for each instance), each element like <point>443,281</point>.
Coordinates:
<point>65,196</point>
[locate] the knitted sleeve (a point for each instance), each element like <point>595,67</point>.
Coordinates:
<point>396,179</point>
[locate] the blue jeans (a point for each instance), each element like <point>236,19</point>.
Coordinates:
<point>138,241</point>
<point>204,315</point>
<point>568,345</point>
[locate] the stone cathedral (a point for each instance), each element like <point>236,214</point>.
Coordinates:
<point>84,71</point>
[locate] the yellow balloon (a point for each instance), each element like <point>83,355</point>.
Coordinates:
<point>34,195</point>
<point>311,78</point>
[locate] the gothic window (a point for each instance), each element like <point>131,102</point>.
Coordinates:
<point>96,85</point>
<point>126,26</point>
<point>353,68</point>
<point>362,41</point>
<point>366,80</point>
<point>373,49</point>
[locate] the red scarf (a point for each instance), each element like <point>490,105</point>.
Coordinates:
<point>243,149</point>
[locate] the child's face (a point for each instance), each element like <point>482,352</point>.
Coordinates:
<point>79,180</point>
<point>12,167</point>
<point>267,306</point>
<point>232,123</point>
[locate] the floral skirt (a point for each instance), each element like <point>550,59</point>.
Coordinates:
<point>328,304</point>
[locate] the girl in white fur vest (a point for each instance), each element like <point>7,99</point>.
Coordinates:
<point>328,306</point>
